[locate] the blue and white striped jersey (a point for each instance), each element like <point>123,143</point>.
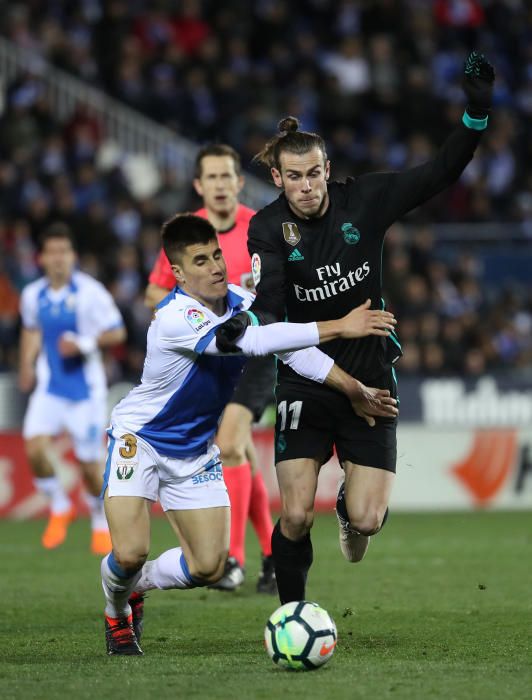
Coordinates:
<point>182,393</point>
<point>83,307</point>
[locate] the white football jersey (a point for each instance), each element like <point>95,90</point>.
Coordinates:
<point>83,307</point>
<point>182,393</point>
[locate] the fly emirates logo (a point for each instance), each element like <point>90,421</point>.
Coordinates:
<point>333,282</point>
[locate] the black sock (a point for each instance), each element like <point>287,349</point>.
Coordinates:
<point>292,562</point>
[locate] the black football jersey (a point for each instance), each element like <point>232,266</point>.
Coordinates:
<point>319,269</point>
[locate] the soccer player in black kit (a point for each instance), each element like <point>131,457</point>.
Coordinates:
<point>316,254</point>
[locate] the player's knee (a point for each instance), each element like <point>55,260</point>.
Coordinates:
<point>297,521</point>
<point>209,569</point>
<point>367,521</point>
<point>231,451</point>
<point>36,453</point>
<point>131,559</point>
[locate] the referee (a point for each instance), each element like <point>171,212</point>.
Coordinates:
<point>316,254</point>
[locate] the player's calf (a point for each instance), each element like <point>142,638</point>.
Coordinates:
<point>354,540</point>
<point>292,559</point>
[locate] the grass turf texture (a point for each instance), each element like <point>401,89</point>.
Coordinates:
<point>440,608</point>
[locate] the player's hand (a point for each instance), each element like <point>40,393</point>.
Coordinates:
<point>230,331</point>
<point>68,347</point>
<point>477,82</point>
<point>368,403</point>
<point>363,321</point>
<point>26,378</point>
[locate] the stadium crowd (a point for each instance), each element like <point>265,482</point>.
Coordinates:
<point>380,81</point>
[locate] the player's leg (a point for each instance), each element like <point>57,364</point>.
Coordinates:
<point>252,394</point>
<point>291,543</point>
<point>199,560</point>
<point>259,379</point>
<point>204,538</point>
<point>368,456</point>
<point>129,524</point>
<point>198,510</point>
<point>361,512</point>
<point>131,483</point>
<point>303,442</point>
<point>85,423</point>
<point>43,421</point>
<point>261,519</point>
<point>232,439</point>
<point>92,476</point>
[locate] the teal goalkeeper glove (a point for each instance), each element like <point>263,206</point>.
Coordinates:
<point>477,84</point>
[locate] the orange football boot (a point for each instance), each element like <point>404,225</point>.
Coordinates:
<point>56,530</point>
<point>101,542</point>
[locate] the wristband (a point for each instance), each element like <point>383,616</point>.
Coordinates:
<point>253,318</point>
<point>475,124</point>
<point>86,343</point>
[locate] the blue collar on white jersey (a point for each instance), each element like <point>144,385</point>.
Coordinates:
<point>72,286</point>
<point>232,298</point>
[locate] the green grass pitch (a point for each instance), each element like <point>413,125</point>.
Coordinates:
<point>440,608</point>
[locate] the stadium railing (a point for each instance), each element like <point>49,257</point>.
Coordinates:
<point>132,132</point>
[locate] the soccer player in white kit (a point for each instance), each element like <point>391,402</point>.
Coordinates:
<point>67,316</point>
<point>161,435</point>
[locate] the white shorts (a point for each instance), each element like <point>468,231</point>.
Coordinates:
<point>85,421</point>
<point>135,468</point>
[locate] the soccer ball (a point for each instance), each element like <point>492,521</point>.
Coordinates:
<point>300,636</point>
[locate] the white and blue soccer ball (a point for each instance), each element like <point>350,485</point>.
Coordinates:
<point>300,636</point>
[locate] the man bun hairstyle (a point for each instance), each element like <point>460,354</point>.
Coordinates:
<point>290,139</point>
<point>288,124</point>
<point>183,230</point>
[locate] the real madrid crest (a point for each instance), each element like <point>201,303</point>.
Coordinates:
<point>351,233</point>
<point>291,233</point>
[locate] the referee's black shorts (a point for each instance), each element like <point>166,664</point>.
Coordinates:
<point>255,388</point>
<point>313,419</point>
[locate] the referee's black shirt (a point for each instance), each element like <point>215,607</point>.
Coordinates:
<point>319,269</point>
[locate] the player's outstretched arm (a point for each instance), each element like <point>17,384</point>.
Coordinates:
<point>367,402</point>
<point>403,191</point>
<point>237,336</point>
<point>358,323</point>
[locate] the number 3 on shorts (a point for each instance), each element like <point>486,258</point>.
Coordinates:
<point>294,409</point>
<point>129,450</point>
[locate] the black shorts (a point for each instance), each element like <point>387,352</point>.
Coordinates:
<point>313,419</point>
<point>255,389</point>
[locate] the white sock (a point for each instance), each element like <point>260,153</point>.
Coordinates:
<point>170,570</point>
<point>98,519</point>
<point>51,487</point>
<point>117,590</point>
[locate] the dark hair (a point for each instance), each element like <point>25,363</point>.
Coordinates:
<point>219,150</point>
<point>56,230</point>
<point>183,230</point>
<point>289,139</point>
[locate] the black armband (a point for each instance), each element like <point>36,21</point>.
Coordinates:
<point>229,332</point>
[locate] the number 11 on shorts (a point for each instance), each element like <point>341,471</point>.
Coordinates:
<point>295,412</point>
